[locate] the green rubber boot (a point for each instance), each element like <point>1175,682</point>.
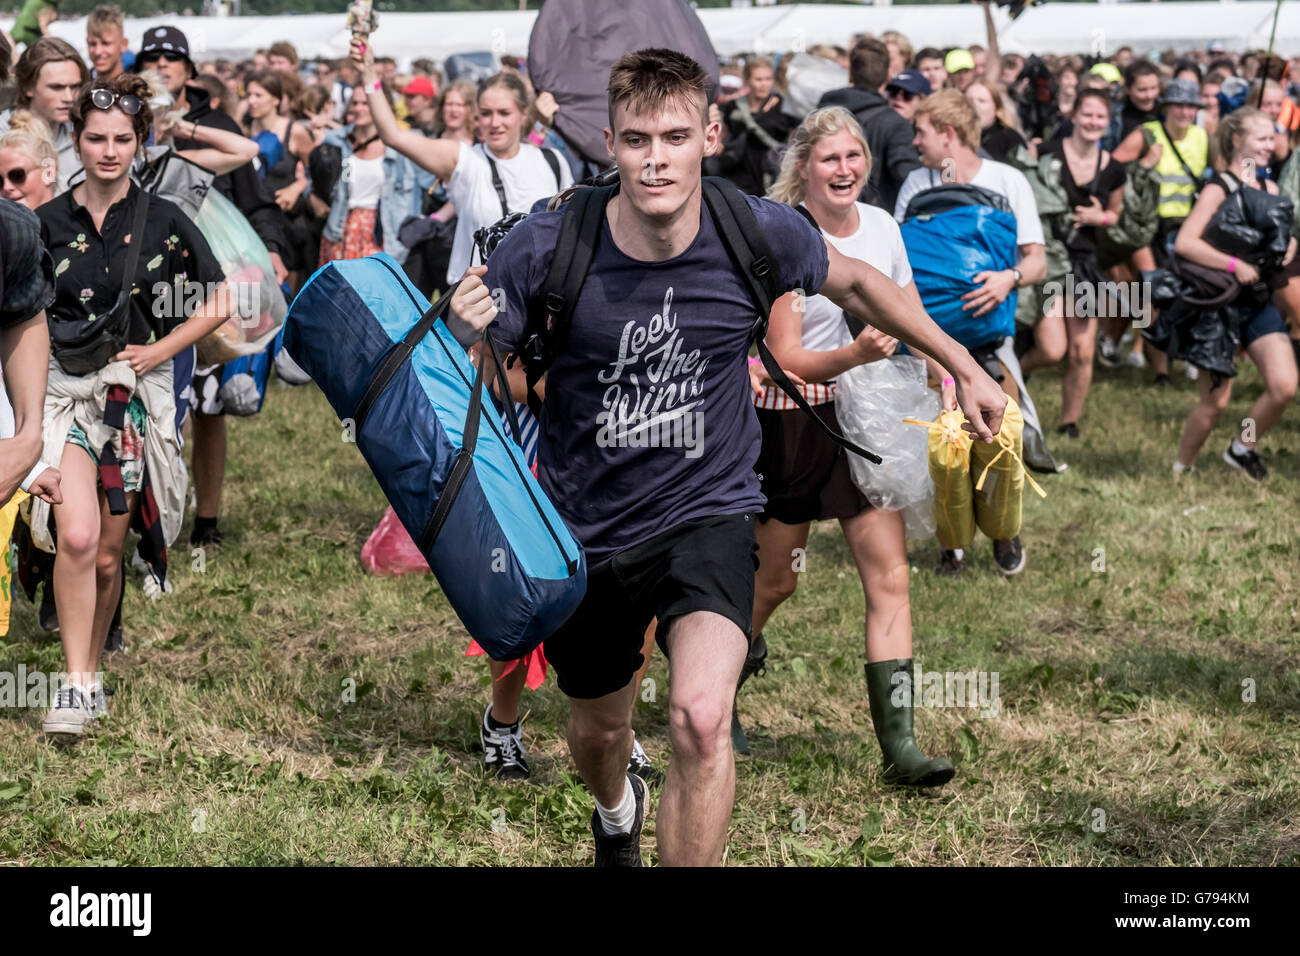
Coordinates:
<point>754,664</point>
<point>905,765</point>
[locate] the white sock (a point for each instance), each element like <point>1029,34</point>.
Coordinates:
<point>1238,448</point>
<point>621,818</point>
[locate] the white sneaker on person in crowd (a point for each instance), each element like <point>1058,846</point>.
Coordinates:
<point>1136,359</point>
<point>71,714</point>
<point>1108,352</point>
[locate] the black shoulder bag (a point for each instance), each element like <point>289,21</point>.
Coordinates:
<point>83,348</point>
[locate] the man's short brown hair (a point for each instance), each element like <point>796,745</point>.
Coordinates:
<point>285,49</point>
<point>647,81</point>
<point>102,18</point>
<point>869,64</point>
<point>949,109</point>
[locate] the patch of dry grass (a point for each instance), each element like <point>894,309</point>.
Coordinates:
<point>1122,736</point>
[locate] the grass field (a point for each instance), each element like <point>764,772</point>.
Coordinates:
<point>1122,736</point>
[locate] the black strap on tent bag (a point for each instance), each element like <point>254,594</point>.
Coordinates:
<point>398,356</point>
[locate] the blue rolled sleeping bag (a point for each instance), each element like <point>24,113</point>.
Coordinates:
<point>505,559</point>
<point>947,250</point>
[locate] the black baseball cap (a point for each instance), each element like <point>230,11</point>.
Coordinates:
<point>912,81</point>
<point>163,40</point>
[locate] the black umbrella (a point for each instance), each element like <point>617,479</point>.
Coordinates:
<point>575,42</point>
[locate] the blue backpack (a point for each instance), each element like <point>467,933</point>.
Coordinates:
<point>244,380</point>
<point>414,402</point>
<point>952,233</point>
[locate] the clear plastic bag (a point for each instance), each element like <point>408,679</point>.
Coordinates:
<point>871,402</point>
<point>251,278</point>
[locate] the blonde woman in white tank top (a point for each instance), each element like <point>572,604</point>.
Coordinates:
<point>805,474</point>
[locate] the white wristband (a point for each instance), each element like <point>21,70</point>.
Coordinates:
<point>33,475</point>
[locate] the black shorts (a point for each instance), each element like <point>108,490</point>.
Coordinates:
<point>703,564</point>
<point>805,475</point>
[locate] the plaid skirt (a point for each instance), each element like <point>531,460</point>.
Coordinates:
<point>358,238</point>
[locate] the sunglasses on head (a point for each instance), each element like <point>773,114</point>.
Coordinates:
<point>155,55</point>
<point>104,99</point>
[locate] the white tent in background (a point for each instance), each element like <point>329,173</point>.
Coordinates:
<point>1052,28</point>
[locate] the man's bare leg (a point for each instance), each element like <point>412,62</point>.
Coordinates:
<point>705,654</point>
<point>600,740</point>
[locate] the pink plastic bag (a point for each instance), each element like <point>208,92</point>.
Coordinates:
<point>390,550</point>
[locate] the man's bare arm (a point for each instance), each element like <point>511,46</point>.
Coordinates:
<point>874,297</point>
<point>25,357</point>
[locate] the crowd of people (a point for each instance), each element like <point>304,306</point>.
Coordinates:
<point>1109,175</point>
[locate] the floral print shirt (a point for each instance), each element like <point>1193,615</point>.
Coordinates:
<point>174,274</point>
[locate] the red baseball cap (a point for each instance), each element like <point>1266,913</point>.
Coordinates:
<point>420,86</point>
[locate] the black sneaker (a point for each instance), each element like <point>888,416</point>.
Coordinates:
<point>755,665</point>
<point>1069,429</point>
<point>1249,463</point>
<point>1108,353</point>
<point>622,849</point>
<point>952,563</point>
<point>639,764</point>
<point>503,749</point>
<point>208,537</point>
<point>1010,556</point>
<point>48,616</point>
<point>1161,381</point>
<point>115,642</point>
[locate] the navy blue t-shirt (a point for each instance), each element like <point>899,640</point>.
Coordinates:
<point>649,419</point>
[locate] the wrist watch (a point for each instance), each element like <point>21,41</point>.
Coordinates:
<point>1015,271</point>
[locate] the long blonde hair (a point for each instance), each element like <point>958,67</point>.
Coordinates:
<point>791,187</point>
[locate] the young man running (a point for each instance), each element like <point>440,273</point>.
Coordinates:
<point>660,333</point>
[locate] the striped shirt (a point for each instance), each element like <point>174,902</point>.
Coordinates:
<point>814,393</point>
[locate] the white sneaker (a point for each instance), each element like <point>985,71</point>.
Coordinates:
<point>71,714</point>
<point>1136,359</point>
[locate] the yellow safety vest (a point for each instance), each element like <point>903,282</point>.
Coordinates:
<point>1177,189</point>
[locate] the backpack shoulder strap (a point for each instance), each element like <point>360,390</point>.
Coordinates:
<point>497,184</point>
<point>550,314</point>
<point>553,160</point>
<point>743,241</point>
<point>739,231</point>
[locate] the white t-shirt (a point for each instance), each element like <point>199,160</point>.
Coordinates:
<point>367,182</point>
<point>994,176</point>
<point>878,243</point>
<point>526,177</point>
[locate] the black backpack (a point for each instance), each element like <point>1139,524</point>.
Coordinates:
<point>549,313</point>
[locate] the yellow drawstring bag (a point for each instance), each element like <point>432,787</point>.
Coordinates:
<point>1000,478</point>
<point>949,450</point>
<point>8,515</point>
<point>994,503</point>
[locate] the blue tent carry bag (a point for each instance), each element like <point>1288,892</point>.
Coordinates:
<point>509,566</point>
<point>951,238</point>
